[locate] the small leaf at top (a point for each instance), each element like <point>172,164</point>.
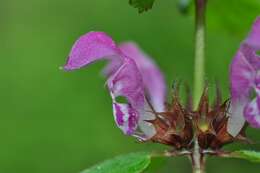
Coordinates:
<point>252,156</point>
<point>142,5</point>
<point>130,163</point>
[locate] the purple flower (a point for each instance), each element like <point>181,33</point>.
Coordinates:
<point>131,74</point>
<point>245,83</point>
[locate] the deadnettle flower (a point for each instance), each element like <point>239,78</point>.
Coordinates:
<point>130,74</point>
<point>245,83</point>
<point>133,75</point>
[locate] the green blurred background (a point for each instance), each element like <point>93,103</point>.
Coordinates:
<point>60,122</point>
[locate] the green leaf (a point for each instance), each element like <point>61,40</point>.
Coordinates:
<point>142,5</point>
<point>252,156</point>
<point>156,165</point>
<point>131,163</point>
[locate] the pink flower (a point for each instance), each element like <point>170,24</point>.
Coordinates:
<point>245,83</point>
<point>131,74</point>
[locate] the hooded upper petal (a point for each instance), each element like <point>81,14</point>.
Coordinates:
<point>152,77</point>
<point>244,70</point>
<point>254,35</point>
<point>91,47</point>
<point>124,79</point>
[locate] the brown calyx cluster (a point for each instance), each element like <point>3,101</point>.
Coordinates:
<point>180,126</point>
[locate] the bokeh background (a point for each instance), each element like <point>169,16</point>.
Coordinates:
<point>61,122</point>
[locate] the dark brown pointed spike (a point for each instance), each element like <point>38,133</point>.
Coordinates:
<point>220,114</point>
<point>147,100</point>
<point>244,139</point>
<point>204,102</point>
<point>165,116</point>
<point>162,117</point>
<point>160,125</point>
<point>175,90</point>
<point>178,114</point>
<point>243,130</point>
<point>223,108</point>
<point>176,105</point>
<point>241,137</point>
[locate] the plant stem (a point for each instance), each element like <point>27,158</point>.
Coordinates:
<point>197,159</point>
<point>200,8</point>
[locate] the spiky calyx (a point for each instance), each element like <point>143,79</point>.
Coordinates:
<point>180,126</point>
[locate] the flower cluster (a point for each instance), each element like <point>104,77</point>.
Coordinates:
<point>133,75</point>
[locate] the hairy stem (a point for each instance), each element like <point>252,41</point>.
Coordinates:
<point>200,7</point>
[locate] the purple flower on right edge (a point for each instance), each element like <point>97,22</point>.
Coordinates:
<point>245,83</point>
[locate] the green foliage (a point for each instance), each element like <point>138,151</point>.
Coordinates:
<point>252,156</point>
<point>131,163</point>
<point>142,5</point>
<point>233,15</point>
<point>157,164</point>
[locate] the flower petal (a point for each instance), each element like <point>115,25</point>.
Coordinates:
<point>127,82</point>
<point>236,121</point>
<point>146,127</point>
<point>153,79</point>
<point>126,117</point>
<point>131,117</point>
<point>252,112</point>
<point>242,76</point>
<point>124,79</point>
<point>91,47</point>
<point>243,72</point>
<point>254,36</point>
